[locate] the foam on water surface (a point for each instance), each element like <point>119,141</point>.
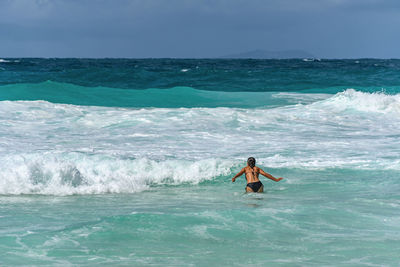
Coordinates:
<point>65,149</point>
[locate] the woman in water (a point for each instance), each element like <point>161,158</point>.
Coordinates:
<point>252,172</point>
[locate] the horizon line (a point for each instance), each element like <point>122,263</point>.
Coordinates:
<point>187,58</point>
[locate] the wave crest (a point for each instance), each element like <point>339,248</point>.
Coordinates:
<point>351,99</point>
<point>75,173</point>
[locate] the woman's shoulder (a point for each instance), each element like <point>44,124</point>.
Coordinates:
<point>248,168</point>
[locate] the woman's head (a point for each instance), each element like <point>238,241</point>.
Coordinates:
<point>251,162</point>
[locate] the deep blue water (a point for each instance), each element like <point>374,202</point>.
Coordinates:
<point>208,74</point>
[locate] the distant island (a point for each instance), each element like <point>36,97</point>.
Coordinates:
<point>265,54</point>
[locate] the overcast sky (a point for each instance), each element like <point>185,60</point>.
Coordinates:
<point>198,28</point>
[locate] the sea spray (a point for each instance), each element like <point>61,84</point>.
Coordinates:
<point>76,173</point>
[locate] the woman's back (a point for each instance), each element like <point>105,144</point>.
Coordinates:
<point>252,174</point>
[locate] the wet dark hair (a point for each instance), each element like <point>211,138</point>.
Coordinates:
<point>251,161</point>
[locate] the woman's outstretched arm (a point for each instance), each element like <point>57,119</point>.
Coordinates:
<point>237,175</point>
<point>269,176</point>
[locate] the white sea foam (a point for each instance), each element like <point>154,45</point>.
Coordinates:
<point>51,148</point>
<point>7,61</point>
<point>75,173</point>
<point>366,102</point>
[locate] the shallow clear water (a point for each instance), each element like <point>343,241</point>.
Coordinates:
<point>325,218</point>
<point>97,171</point>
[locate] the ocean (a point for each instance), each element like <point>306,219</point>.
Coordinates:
<point>128,162</point>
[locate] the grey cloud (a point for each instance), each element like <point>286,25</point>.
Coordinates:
<point>179,28</point>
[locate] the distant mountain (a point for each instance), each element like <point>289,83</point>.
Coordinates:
<point>265,54</point>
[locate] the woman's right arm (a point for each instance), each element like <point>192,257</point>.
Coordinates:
<point>237,175</point>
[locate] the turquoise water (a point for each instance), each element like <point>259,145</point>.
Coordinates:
<point>128,162</point>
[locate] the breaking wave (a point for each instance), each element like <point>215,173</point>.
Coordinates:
<point>61,149</point>
<point>74,173</point>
